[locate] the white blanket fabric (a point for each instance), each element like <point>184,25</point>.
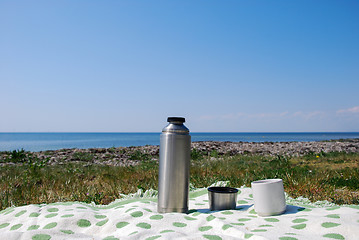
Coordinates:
<point>137,218</point>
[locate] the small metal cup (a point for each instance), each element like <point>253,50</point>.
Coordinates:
<point>222,198</point>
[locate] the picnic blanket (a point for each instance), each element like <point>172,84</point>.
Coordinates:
<point>135,217</point>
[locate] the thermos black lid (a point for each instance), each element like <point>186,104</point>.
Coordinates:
<point>176,119</point>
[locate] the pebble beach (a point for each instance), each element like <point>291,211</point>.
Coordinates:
<point>129,156</point>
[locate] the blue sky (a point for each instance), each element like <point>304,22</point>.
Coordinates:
<point>232,66</point>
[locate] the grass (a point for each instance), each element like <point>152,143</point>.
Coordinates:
<point>322,176</point>
<point>138,155</point>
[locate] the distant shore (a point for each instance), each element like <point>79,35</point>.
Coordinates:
<point>55,141</point>
<point>127,156</point>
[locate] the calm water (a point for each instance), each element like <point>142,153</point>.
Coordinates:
<point>53,141</point>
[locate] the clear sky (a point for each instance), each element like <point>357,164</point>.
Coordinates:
<point>226,66</point>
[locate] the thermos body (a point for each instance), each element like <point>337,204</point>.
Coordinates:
<point>174,164</point>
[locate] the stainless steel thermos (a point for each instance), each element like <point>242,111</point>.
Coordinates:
<point>173,177</point>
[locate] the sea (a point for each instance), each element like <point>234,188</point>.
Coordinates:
<point>53,141</point>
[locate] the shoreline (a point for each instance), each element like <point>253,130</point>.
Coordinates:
<point>129,156</point>
<point>35,142</point>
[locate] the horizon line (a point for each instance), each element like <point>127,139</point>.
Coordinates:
<point>196,132</point>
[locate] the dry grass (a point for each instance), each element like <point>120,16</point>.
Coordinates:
<point>333,177</point>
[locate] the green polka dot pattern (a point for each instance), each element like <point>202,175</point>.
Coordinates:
<point>153,237</point>
<point>156,217</point>
<point>83,223</point>
<point>101,223</point>
<point>179,224</point>
<point>100,216</point>
<point>271,219</point>
<point>333,236</point>
<point>137,218</point>
<point>50,225</point>
<point>144,225</point>
<point>110,238</point>
<point>15,227</point>
<point>20,213</point>
<point>34,214</point>
<point>287,238</point>
<point>122,224</point>
<point>67,231</point>
<point>51,215</point>
<point>41,237</point>
<point>53,210</point>
<point>3,225</point>
<point>205,228</point>
<point>330,224</point>
<point>299,220</point>
<point>299,226</point>
<point>33,227</point>
<point>137,214</point>
<point>226,226</point>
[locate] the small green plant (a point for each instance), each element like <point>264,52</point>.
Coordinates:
<point>214,153</point>
<point>148,165</point>
<point>34,166</point>
<point>18,156</point>
<point>83,156</point>
<point>280,162</point>
<point>112,149</point>
<point>138,155</point>
<point>196,155</point>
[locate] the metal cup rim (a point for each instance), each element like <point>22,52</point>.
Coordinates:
<point>224,190</point>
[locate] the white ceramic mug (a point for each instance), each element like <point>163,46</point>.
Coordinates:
<point>269,197</point>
